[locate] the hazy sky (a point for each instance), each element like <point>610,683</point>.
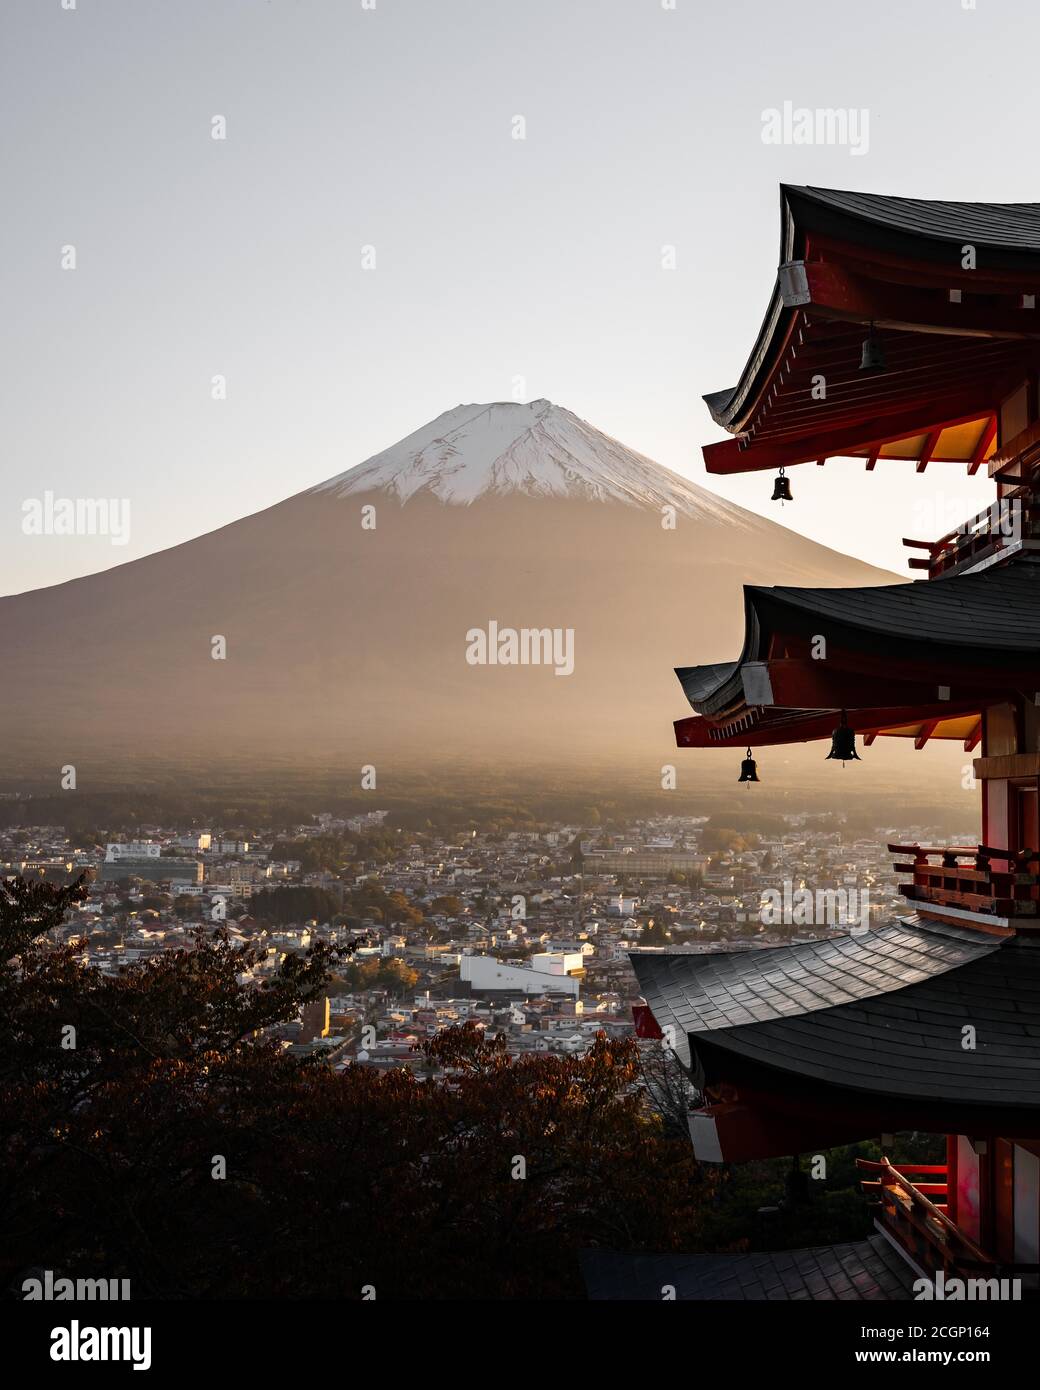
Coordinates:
<point>496,258</point>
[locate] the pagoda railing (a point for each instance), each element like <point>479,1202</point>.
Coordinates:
<point>1008,525</point>
<point>915,1214</point>
<point>972,878</point>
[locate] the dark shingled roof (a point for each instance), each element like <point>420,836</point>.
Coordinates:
<point>866,1270</point>
<point>997,611</point>
<point>880,1014</point>
<point>908,1042</point>
<point>702,993</point>
<point>700,683</point>
<point>1015,226</point>
<point>995,608</point>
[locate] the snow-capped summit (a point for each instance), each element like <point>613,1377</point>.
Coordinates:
<point>538,449</point>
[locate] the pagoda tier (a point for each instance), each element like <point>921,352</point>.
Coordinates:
<point>802,1047</point>
<point>921,660</point>
<point>951,291</point>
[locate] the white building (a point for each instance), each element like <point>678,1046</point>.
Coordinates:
<point>558,962</point>
<point>544,975</point>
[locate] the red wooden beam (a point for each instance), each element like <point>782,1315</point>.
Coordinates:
<point>799,726</point>
<point>860,436</point>
<point>836,293</point>
<point>921,376</point>
<point>872,458</point>
<point>872,261</point>
<point>793,410</point>
<point>973,739</point>
<point>927,729</point>
<point>778,1112</point>
<point>831,341</point>
<point>796,682</point>
<point>928,450</point>
<point>926,377</point>
<point>985,440</point>
<point>984,676</point>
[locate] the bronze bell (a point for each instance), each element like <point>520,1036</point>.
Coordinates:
<point>748,769</point>
<point>843,742</point>
<point>781,488</point>
<point>873,358</point>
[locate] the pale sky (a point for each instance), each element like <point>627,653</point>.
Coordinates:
<point>496,258</point>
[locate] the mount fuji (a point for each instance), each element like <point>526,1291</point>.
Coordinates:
<point>537,450</point>
<point>350,615</point>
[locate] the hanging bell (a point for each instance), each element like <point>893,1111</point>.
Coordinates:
<point>781,488</point>
<point>748,769</point>
<point>843,742</point>
<point>873,358</point>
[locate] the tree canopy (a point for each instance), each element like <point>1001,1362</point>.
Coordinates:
<point>154,1131</point>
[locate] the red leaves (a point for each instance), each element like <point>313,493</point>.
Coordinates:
<point>482,1178</point>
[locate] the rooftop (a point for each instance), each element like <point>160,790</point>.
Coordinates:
<point>867,1270</point>
<point>956,334</point>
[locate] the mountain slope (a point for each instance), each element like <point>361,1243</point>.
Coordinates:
<point>347,643</point>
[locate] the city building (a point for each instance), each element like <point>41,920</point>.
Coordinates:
<point>132,849</point>
<point>547,974</point>
<point>649,864</point>
<point>151,868</point>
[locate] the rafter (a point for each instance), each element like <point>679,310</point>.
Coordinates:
<point>987,437</point>
<point>928,450</point>
<point>927,730</point>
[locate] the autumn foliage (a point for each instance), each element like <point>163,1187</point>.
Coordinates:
<point>478,1176</point>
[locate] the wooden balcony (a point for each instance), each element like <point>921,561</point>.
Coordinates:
<point>912,1207</point>
<point>972,879</point>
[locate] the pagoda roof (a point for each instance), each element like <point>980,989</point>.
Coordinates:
<point>1013,227</point>
<point>701,994</point>
<point>879,1036</point>
<point>955,339</point>
<point>864,1270</point>
<point>997,609</point>
<point>888,649</point>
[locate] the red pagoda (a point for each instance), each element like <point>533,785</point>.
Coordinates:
<point>909,330</point>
